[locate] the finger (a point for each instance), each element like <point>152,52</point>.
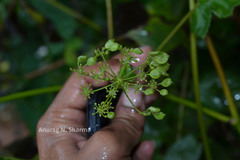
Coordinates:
<point>144,151</point>
<point>70,93</point>
<point>67,110</point>
<point>140,57</point>
<point>125,130</point>
<point>69,97</point>
<point>119,138</point>
<point>127,118</point>
<point>69,104</point>
<point>150,99</point>
<point>128,124</point>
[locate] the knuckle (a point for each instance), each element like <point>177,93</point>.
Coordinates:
<point>130,126</point>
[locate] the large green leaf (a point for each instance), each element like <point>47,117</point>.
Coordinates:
<point>160,8</point>
<point>155,32</point>
<point>202,16</point>
<point>185,149</point>
<point>64,23</point>
<point>224,8</point>
<point>201,19</point>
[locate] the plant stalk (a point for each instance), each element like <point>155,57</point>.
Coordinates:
<point>209,112</point>
<point>131,102</point>
<point>193,48</point>
<point>109,19</point>
<point>226,89</point>
<point>99,89</point>
<point>108,65</point>
<point>174,31</point>
<point>181,106</point>
<point>29,93</point>
<point>173,98</point>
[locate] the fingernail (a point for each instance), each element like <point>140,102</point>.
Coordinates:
<point>137,99</point>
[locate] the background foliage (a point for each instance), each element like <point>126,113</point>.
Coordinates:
<point>40,40</point>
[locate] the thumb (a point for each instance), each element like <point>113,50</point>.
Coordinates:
<point>128,120</point>
<point>117,140</point>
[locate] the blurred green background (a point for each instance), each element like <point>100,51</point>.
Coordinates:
<point>40,41</point>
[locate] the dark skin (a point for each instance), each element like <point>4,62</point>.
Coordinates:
<point>117,141</point>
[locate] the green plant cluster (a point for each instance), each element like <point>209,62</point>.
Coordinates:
<point>149,77</point>
<point>40,39</point>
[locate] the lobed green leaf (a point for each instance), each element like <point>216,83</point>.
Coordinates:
<point>202,16</point>
<point>148,91</point>
<point>159,116</point>
<point>166,82</point>
<point>161,58</point>
<point>137,51</point>
<point>111,45</point>
<point>155,74</point>
<point>91,61</point>
<point>163,92</point>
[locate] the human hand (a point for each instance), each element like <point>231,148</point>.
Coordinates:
<point>119,140</point>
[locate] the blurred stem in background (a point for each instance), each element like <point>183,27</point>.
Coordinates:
<point>189,104</point>
<point>109,19</point>
<point>181,106</point>
<point>173,32</point>
<point>226,89</point>
<point>42,70</point>
<point>194,61</point>
<point>192,105</point>
<point>74,14</point>
<point>29,93</point>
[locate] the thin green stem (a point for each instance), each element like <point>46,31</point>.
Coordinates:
<point>173,98</point>
<point>107,100</point>
<point>181,106</point>
<point>129,73</point>
<point>108,65</point>
<point>11,158</point>
<point>121,61</point>
<point>29,93</point>
<point>99,89</point>
<point>209,112</point>
<point>130,78</point>
<point>194,62</point>
<point>146,62</point>
<point>110,74</point>
<point>174,31</point>
<point>131,101</point>
<point>74,14</point>
<point>109,19</point>
<point>226,89</point>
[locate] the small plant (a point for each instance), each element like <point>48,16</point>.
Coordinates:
<point>148,77</point>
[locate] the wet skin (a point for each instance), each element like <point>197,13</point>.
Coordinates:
<point>117,141</point>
